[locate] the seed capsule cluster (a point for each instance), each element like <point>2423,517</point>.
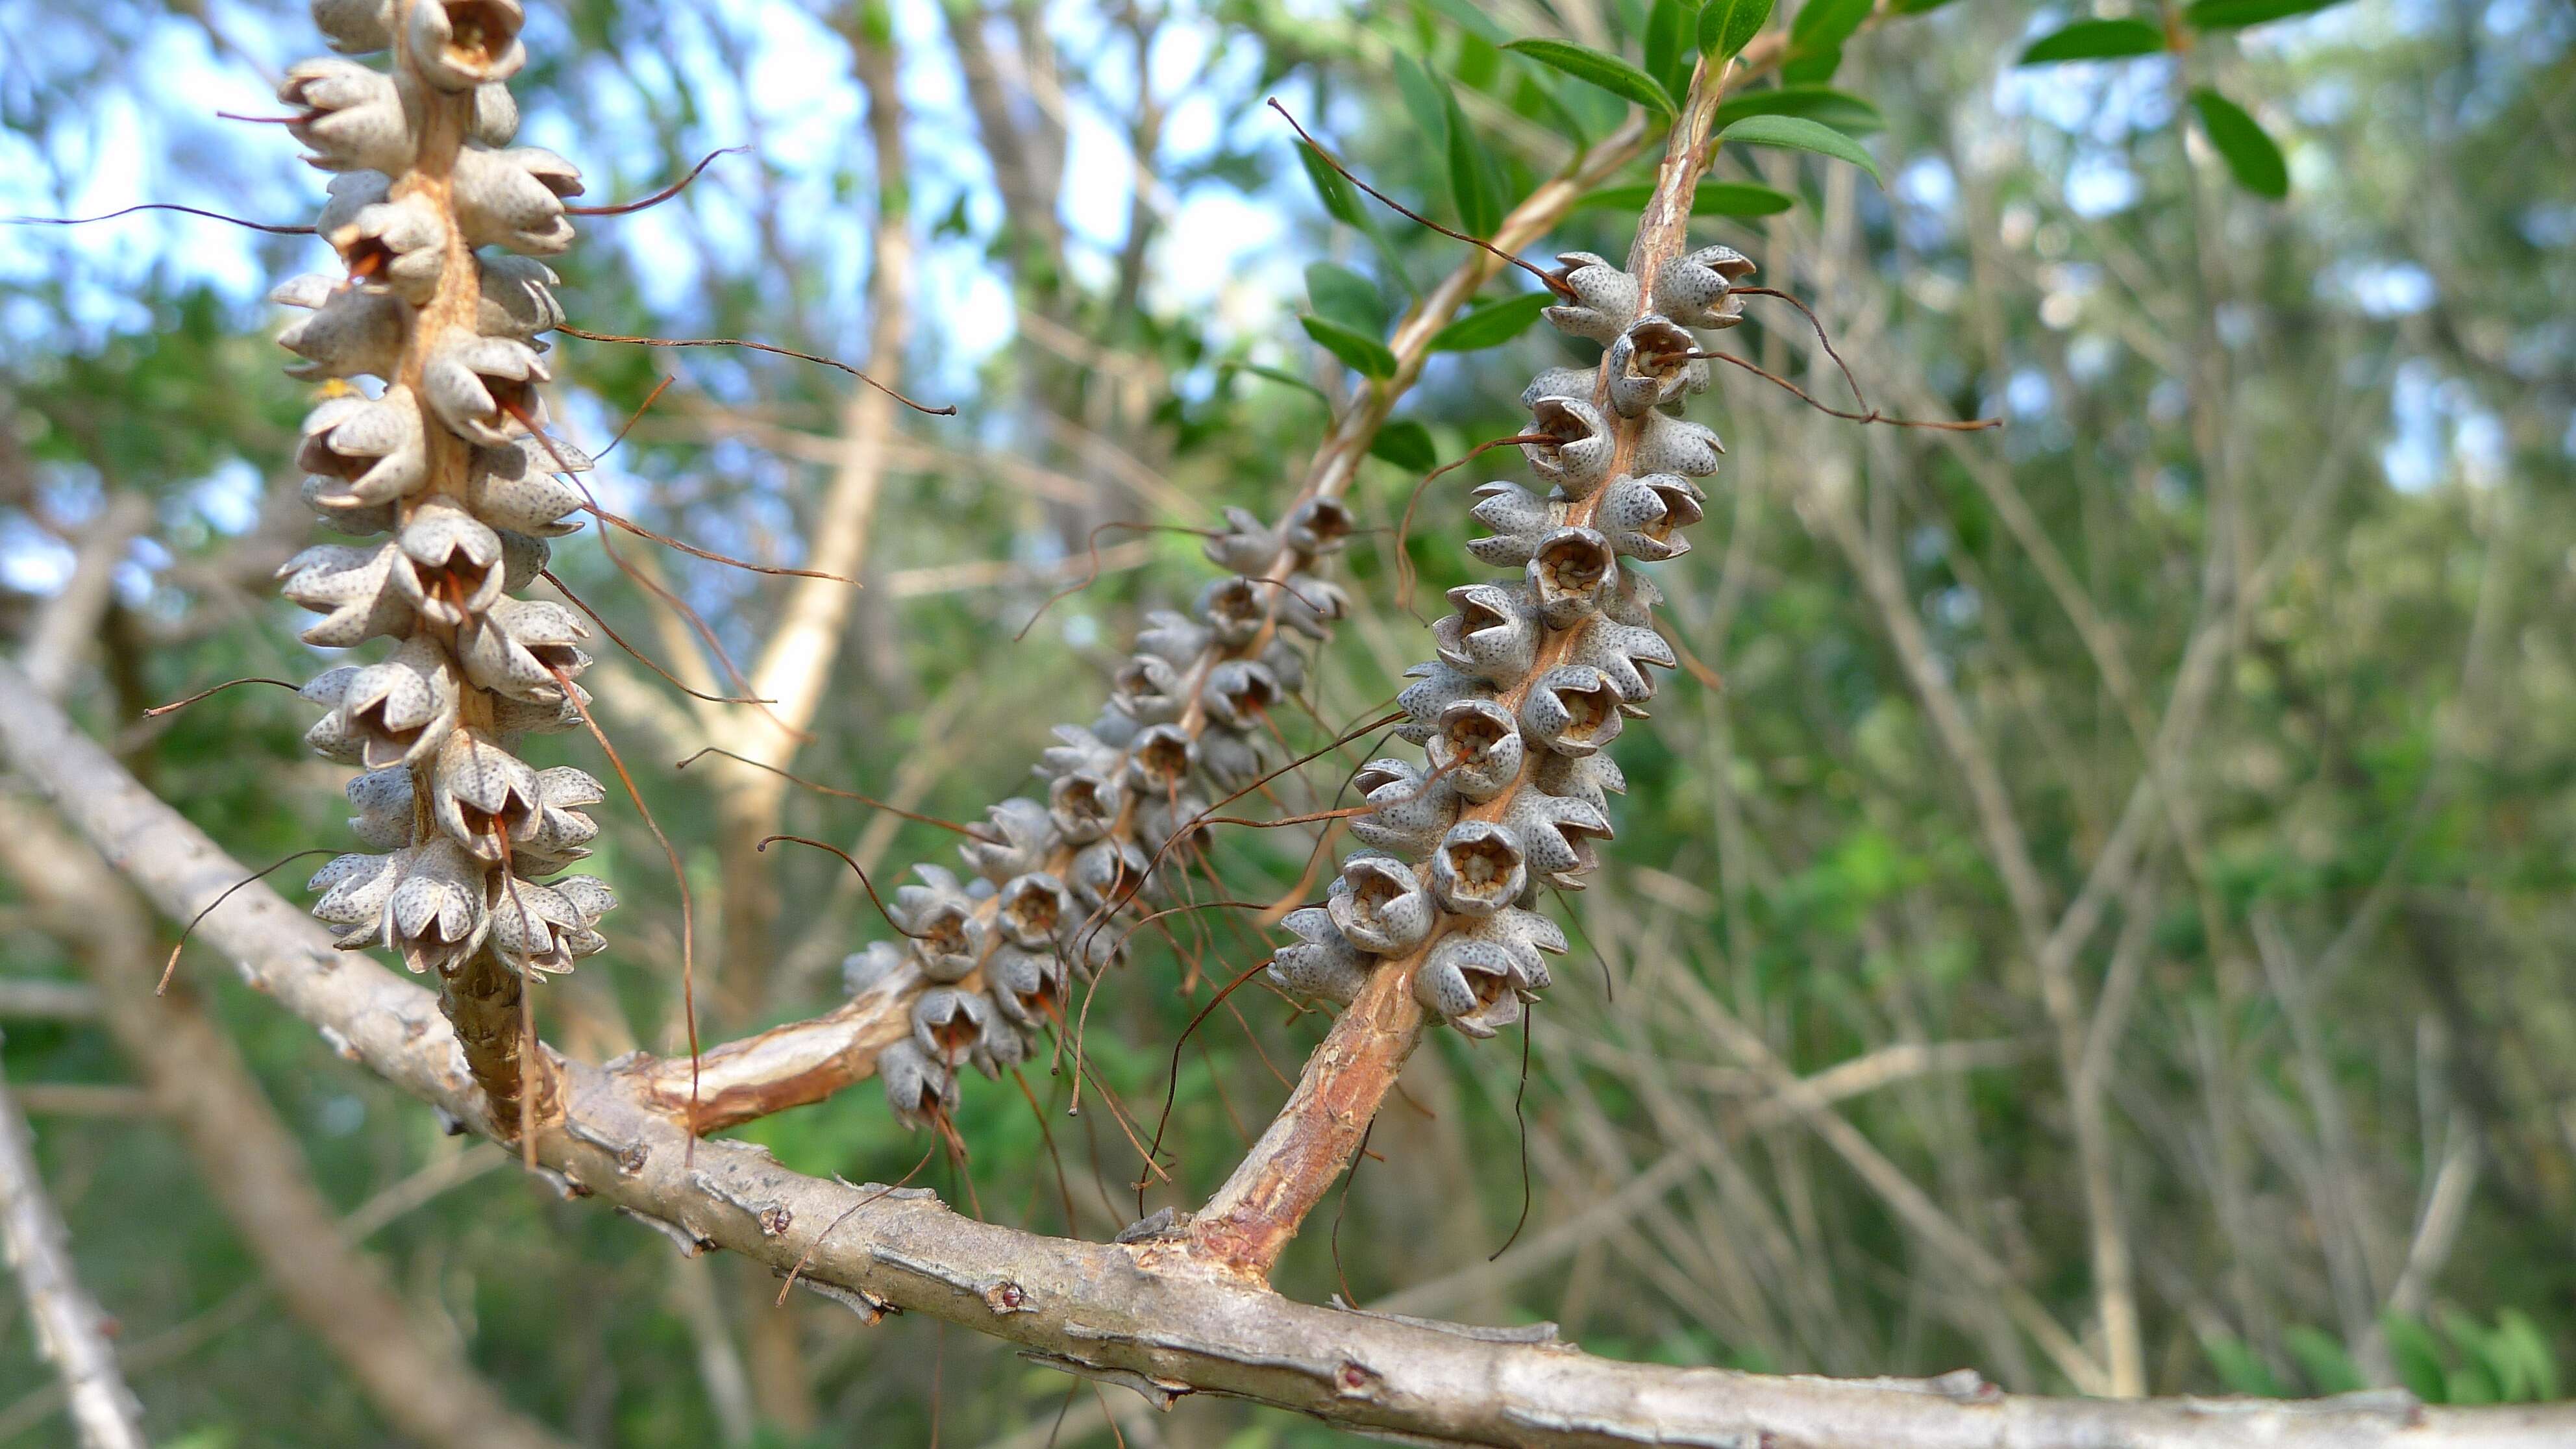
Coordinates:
<point>438,222</point>
<point>1534,677</point>
<point>1053,881</point>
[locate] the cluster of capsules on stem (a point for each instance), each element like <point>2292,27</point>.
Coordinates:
<point>1052,883</point>
<point>1536,676</point>
<point>439,223</point>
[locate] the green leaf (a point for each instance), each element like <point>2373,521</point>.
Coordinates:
<point>2250,155</point>
<point>2517,1335</point>
<point>1471,17</point>
<point>1341,295</point>
<point>1714,198</point>
<point>1358,351</point>
<point>2323,1359</point>
<point>1491,325</point>
<point>1797,133</point>
<point>1839,109</point>
<point>1669,39</point>
<point>1426,100</point>
<point>2095,40</point>
<point>1341,203</point>
<point>1474,182</point>
<point>2240,1371</point>
<point>2416,1355</point>
<point>1727,26</point>
<point>1816,38</point>
<point>1916,7</point>
<point>2236,14</point>
<point>1277,375</point>
<point>1606,72</point>
<point>1407,444</point>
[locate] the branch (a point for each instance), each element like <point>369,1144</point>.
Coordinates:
<point>70,1329</point>
<point>1139,1312</point>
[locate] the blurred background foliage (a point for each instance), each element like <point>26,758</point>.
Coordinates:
<point>2148,825</point>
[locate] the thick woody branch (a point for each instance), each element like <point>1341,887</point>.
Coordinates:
<point>70,1329</point>
<point>1135,1313</point>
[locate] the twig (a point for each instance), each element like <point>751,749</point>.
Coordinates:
<point>70,1329</point>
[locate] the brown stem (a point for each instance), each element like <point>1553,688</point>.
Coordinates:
<point>482,999</point>
<point>1250,1221</point>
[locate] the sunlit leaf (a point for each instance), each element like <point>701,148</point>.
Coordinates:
<point>2235,14</point>
<point>1341,295</point>
<point>1839,109</point>
<point>1727,26</point>
<point>1797,133</point>
<point>1607,72</point>
<point>1491,325</point>
<point>2095,40</point>
<point>2251,156</point>
<point>1407,444</point>
<point>1358,351</point>
<point>1714,198</point>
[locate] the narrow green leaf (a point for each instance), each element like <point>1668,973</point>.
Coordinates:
<point>2416,1355</point>
<point>1277,375</point>
<point>1407,444</point>
<point>1670,28</point>
<point>1341,203</point>
<point>1727,26</point>
<point>1426,100</point>
<point>1471,17</point>
<point>2523,1337</point>
<point>1473,182</point>
<point>1714,198</point>
<point>2323,1358</point>
<point>1607,72</point>
<point>1812,66</point>
<point>2240,1371</point>
<point>1797,133</point>
<point>1841,110</point>
<point>1916,7</point>
<point>1816,38</point>
<point>2250,155</point>
<point>2236,14</point>
<point>1491,325</point>
<point>2095,40</point>
<point>1358,351</point>
<point>1341,295</point>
